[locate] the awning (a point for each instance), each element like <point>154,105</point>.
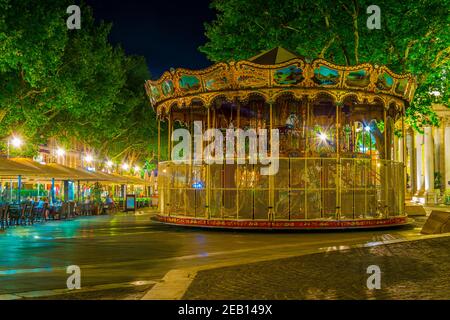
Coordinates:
<point>10,168</point>
<point>40,171</point>
<point>74,173</point>
<point>135,180</point>
<point>29,169</point>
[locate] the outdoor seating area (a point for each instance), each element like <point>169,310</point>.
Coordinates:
<point>33,192</point>
<point>31,212</point>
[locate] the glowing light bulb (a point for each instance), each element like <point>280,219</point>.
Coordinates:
<point>16,142</point>
<point>125,166</point>
<point>367,128</point>
<point>88,158</point>
<point>136,168</point>
<point>323,136</point>
<point>109,163</point>
<point>60,152</point>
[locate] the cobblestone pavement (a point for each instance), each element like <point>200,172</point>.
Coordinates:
<point>409,270</point>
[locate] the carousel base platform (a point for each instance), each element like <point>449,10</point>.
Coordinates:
<point>284,224</point>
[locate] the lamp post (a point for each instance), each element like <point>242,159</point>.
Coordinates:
<point>16,143</point>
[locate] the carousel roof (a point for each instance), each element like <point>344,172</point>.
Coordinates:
<point>274,56</point>
<point>277,72</point>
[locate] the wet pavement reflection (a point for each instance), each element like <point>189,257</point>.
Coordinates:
<point>126,248</point>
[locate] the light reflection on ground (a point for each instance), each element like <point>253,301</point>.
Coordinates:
<point>127,248</point>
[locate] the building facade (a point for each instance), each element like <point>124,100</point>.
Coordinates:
<point>428,161</point>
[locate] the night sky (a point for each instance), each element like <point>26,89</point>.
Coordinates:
<point>167,33</point>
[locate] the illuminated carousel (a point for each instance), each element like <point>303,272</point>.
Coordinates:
<point>341,151</point>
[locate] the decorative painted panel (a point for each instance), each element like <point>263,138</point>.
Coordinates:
<point>385,81</point>
<point>401,86</point>
<point>325,76</point>
<point>288,75</point>
<point>189,83</point>
<point>251,77</point>
<point>358,78</point>
<point>167,87</point>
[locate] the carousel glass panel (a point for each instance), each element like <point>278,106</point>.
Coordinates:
<point>257,114</point>
<point>322,133</point>
<point>163,175</point>
<point>195,193</point>
<point>246,180</point>
<point>347,189</point>
<point>361,185</point>
<point>245,204</point>
<point>289,117</point>
<point>180,175</point>
<point>225,115</point>
<point>200,203</point>
<point>282,204</point>
<point>297,195</point>
<point>281,192</point>
<point>216,194</point>
<point>313,189</point>
<point>229,204</point>
<point>261,204</point>
<point>329,175</point>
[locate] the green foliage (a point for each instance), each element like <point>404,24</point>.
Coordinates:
<point>414,37</point>
<point>96,192</point>
<point>62,83</point>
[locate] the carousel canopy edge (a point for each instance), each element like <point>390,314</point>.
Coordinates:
<point>278,70</point>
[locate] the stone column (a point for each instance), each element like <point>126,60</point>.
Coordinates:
<point>439,154</point>
<point>411,160</point>
<point>429,161</point>
<point>419,164</point>
<point>447,155</point>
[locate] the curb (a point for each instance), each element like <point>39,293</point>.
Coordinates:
<point>173,286</point>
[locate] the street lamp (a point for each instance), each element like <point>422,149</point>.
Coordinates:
<point>16,142</point>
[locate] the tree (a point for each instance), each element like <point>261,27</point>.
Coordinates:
<point>414,37</point>
<point>62,83</point>
<point>30,53</point>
